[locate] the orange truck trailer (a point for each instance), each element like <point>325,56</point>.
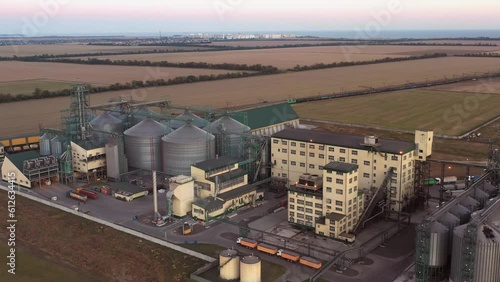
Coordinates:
<point>249,243</point>
<point>288,255</point>
<point>268,249</point>
<point>311,262</point>
<point>89,194</point>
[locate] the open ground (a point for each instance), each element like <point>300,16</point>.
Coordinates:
<point>489,86</point>
<point>61,49</point>
<point>15,72</point>
<point>244,91</point>
<point>409,110</point>
<point>28,86</point>
<point>290,57</point>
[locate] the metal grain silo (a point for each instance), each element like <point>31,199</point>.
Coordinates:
<point>438,249</point>
<point>45,144</point>
<point>228,132</point>
<point>229,264</point>
<point>143,144</point>
<point>186,146</point>
<point>487,256</point>
<point>57,146</point>
<point>108,123</point>
<point>250,269</point>
<point>140,114</point>
<point>181,119</point>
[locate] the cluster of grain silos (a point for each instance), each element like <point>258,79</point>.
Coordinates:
<point>185,146</point>
<point>228,133</point>
<point>231,267</point>
<point>52,145</point>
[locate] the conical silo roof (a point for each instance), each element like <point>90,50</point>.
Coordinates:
<point>105,118</point>
<point>181,119</point>
<point>148,127</point>
<point>228,124</point>
<point>188,133</point>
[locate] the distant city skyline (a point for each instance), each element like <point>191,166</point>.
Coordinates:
<point>65,17</point>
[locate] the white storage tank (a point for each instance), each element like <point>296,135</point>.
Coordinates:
<point>250,269</point>
<point>143,144</point>
<point>181,119</point>
<point>229,264</point>
<point>438,245</point>
<point>184,147</point>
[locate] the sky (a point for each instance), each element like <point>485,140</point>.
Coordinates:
<point>62,17</point>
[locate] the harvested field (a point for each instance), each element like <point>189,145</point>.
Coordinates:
<point>490,86</point>
<point>13,71</point>
<point>28,86</point>
<point>289,57</point>
<point>245,91</point>
<point>60,49</point>
<point>449,113</point>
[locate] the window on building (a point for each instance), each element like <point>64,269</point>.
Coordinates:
<point>318,206</point>
<point>331,149</point>
<point>366,175</point>
<point>339,181</point>
<point>339,203</point>
<point>317,212</point>
<point>342,159</point>
<point>300,202</point>
<point>328,201</point>
<point>342,150</point>
<point>329,189</point>
<point>404,158</point>
<point>292,213</point>
<point>328,179</point>
<point>311,146</point>
<point>284,161</point>
<point>311,166</point>
<point>284,175</point>
<point>293,152</point>
<point>332,228</point>
<point>300,209</point>
<point>366,162</point>
<point>339,173</point>
<point>284,142</point>
<point>355,178</point>
<point>321,147</point>
<point>302,145</point>
<point>299,215</point>
<point>350,180</point>
<point>311,155</point>
<point>294,163</point>
<point>275,141</point>
<point>328,207</point>
<point>404,166</point>
<point>354,152</point>
<point>350,202</point>
<point>284,151</point>
<point>339,191</point>
<point>338,209</point>
<point>309,204</point>
<point>291,200</point>
<point>302,153</point>
<point>300,221</point>
<point>350,190</point>
<point>321,156</point>
<point>354,161</point>
<point>293,144</point>
<point>331,158</point>
<point>394,158</point>
<point>320,167</point>
<point>302,164</point>
<point>309,210</point>
<point>309,217</point>
<point>291,207</point>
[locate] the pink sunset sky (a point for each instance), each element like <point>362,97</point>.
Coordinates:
<point>92,16</point>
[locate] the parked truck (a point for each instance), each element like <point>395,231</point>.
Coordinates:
<point>288,255</point>
<point>311,262</point>
<point>249,243</point>
<point>268,249</point>
<point>447,180</point>
<point>89,194</point>
<point>76,196</point>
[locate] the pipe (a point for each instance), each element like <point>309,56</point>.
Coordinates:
<point>155,197</point>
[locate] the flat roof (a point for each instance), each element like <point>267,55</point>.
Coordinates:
<point>237,192</point>
<point>317,193</point>
<point>343,140</point>
<point>209,203</point>
<point>216,163</point>
<point>223,177</point>
<point>340,166</point>
<point>333,216</point>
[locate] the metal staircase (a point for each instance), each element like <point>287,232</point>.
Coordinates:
<point>377,199</point>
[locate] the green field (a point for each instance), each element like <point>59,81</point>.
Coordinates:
<point>28,86</point>
<point>451,113</point>
<point>29,265</point>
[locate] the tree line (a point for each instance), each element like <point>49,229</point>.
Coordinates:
<point>481,55</point>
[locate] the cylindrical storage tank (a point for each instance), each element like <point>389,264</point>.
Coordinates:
<point>456,254</point>
<point>227,129</point>
<point>108,123</point>
<point>181,119</point>
<point>438,249</point>
<point>487,256</point>
<point>186,146</point>
<point>45,144</point>
<point>143,144</point>
<point>250,269</point>
<point>140,115</point>
<point>56,146</point>
<point>229,264</point>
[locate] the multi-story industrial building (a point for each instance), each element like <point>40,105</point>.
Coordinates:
<point>90,164</point>
<point>297,151</point>
<point>221,187</point>
<point>30,170</point>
